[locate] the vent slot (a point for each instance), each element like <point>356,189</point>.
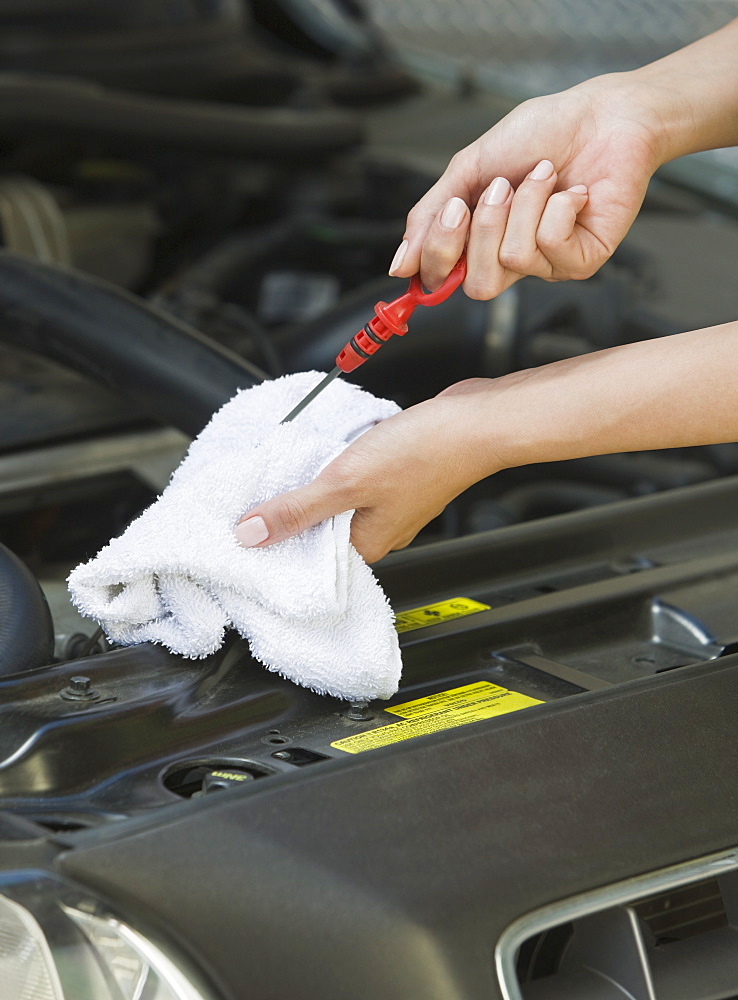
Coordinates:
<point>679,944</point>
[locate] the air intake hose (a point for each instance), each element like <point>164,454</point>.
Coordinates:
<point>60,106</point>
<point>155,362</point>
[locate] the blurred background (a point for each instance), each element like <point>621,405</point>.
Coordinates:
<point>534,47</point>
<point>539,46</point>
<point>492,54</point>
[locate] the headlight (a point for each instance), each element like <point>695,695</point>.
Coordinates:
<point>59,943</point>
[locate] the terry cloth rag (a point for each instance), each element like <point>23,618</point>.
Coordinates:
<point>309,606</point>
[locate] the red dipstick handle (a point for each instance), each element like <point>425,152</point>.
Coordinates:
<point>391,317</point>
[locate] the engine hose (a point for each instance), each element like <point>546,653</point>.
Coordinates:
<point>53,106</point>
<point>212,273</point>
<point>155,362</point>
<point>198,292</point>
<point>26,629</point>
<point>444,344</point>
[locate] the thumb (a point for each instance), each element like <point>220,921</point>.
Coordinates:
<point>288,514</point>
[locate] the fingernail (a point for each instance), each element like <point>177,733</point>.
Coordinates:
<point>543,171</point>
<point>399,257</point>
<point>579,189</point>
<point>251,532</point>
<point>497,192</point>
<point>453,214</point>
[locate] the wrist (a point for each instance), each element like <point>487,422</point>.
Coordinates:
<point>509,424</point>
<point>674,120</point>
<point>563,410</point>
<point>464,415</point>
<point>647,111</point>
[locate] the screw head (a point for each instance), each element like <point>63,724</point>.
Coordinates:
<point>79,689</point>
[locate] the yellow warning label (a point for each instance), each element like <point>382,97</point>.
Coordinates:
<point>444,710</point>
<point>431,614</point>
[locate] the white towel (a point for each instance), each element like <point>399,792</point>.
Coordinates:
<point>310,607</point>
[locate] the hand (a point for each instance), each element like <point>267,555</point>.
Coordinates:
<point>550,191</point>
<point>397,477</point>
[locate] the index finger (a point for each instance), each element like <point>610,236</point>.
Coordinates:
<point>459,180</point>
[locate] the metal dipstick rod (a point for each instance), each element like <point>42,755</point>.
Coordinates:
<point>312,394</point>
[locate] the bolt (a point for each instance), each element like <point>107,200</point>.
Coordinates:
<point>359,711</point>
<point>79,689</point>
<point>282,754</point>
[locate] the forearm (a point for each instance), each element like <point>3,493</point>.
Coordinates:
<point>691,95</point>
<point>673,392</point>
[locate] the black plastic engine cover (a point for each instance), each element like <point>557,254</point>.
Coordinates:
<point>392,875</point>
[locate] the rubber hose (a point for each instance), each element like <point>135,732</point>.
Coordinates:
<point>51,106</point>
<point>212,272</point>
<point>26,629</point>
<point>155,362</point>
<point>196,293</point>
<point>240,253</point>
